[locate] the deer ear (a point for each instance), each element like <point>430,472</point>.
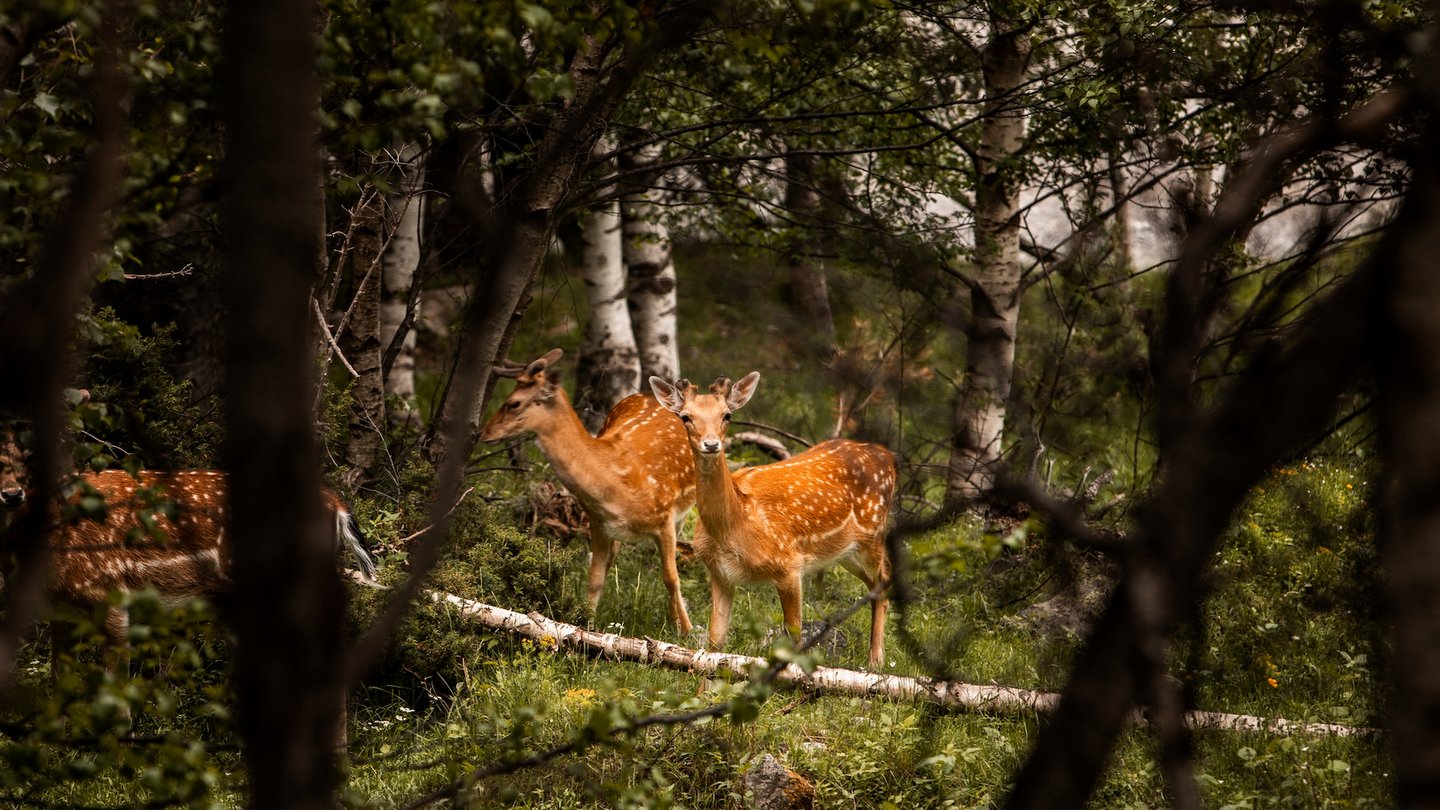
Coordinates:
<point>743,390</point>
<point>533,370</point>
<point>553,377</point>
<point>670,398</point>
<point>537,366</point>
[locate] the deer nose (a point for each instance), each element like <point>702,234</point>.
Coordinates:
<point>12,496</point>
<point>710,446</point>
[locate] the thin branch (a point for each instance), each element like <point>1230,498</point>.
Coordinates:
<point>330,337</point>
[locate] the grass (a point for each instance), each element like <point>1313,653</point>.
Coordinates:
<point>1268,619</point>
<point>454,698</point>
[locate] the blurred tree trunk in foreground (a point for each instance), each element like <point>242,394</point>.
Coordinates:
<point>288,603</point>
<point>1215,457</point>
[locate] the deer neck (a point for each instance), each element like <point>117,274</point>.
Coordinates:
<point>580,460</point>
<point>716,498</point>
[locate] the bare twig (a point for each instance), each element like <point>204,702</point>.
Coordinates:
<point>330,338</point>
<point>777,431</point>
<point>187,270</point>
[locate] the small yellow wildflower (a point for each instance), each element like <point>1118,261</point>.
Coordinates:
<point>580,697</point>
<point>1274,684</point>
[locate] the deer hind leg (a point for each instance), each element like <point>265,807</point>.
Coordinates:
<point>665,541</point>
<point>877,572</point>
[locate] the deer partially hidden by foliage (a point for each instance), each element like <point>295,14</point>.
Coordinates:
<point>633,479</point>
<point>114,531</point>
<point>776,522</point>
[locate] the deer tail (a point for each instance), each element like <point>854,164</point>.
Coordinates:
<point>347,530</point>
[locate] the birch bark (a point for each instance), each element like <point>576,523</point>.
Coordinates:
<point>399,297</point>
<point>651,270</point>
<point>609,366</point>
<point>995,293</point>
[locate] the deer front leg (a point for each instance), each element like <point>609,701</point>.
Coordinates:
<point>791,592</point>
<point>722,594</point>
<point>666,543</point>
<point>602,552</point>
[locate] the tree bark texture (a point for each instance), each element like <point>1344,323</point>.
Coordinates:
<point>399,297</point>
<point>288,603</point>
<point>608,369</point>
<point>651,269</point>
<point>360,339</point>
<point>995,292</point>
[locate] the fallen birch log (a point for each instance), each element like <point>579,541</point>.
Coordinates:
<point>833,680</point>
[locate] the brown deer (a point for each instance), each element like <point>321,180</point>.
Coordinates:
<point>774,523</point>
<point>634,479</point>
<point>160,530</point>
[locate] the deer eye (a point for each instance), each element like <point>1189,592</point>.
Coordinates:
<point>512,406</point>
<point>726,417</point>
<point>685,417</point>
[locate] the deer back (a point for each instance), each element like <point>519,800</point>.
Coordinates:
<point>818,504</point>
<point>161,530</point>
<point>644,461</point>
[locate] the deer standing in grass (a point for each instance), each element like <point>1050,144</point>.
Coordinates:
<point>160,530</point>
<point>776,522</point>
<point>633,479</point>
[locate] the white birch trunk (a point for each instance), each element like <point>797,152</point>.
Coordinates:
<point>995,295</point>
<point>651,270</point>
<point>609,366</point>
<point>405,213</point>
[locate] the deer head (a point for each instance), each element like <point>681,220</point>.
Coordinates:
<point>706,416</point>
<point>530,403</point>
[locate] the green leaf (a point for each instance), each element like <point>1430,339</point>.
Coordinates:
<point>49,104</point>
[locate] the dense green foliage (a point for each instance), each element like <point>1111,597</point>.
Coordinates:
<point>885,98</point>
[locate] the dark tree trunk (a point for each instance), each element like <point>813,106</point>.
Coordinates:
<point>1409,357</point>
<point>288,602</point>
